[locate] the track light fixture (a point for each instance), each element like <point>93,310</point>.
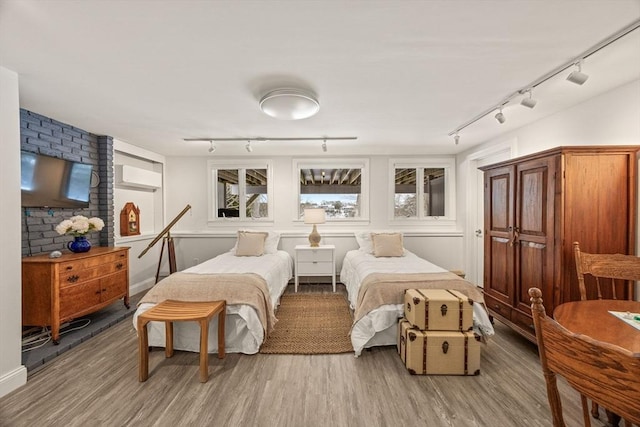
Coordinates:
<point>324,145</point>
<point>212,148</point>
<point>528,102</point>
<point>577,76</point>
<point>248,147</point>
<point>456,138</point>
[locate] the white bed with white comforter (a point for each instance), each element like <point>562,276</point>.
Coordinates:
<point>379,326</point>
<point>244,332</point>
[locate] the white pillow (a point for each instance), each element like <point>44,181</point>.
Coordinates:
<point>270,244</point>
<point>250,243</point>
<point>387,244</point>
<point>364,241</point>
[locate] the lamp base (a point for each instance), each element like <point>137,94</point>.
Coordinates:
<point>314,237</point>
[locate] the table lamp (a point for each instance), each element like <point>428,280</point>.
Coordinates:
<point>314,216</point>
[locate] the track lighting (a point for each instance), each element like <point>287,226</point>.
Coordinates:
<point>500,117</point>
<point>324,145</point>
<point>212,148</point>
<point>528,102</point>
<point>456,138</point>
<point>248,147</point>
<point>577,76</point>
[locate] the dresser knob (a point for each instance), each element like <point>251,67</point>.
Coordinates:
<point>119,265</point>
<point>73,279</point>
<point>69,267</point>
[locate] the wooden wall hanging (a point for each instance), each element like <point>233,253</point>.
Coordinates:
<point>130,220</point>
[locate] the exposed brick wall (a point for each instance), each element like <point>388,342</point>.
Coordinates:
<point>40,134</point>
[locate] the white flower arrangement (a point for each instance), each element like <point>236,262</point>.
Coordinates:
<point>79,225</point>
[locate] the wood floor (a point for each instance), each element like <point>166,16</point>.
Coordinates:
<point>96,384</point>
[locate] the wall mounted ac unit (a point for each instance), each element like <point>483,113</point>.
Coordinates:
<point>131,176</point>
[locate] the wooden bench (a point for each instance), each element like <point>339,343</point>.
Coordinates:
<point>170,311</point>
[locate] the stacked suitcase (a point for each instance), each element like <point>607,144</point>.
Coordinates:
<point>436,334</point>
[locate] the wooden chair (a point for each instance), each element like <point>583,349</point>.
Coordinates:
<point>602,372</point>
<point>606,269</point>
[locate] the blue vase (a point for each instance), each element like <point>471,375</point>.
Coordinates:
<point>79,244</point>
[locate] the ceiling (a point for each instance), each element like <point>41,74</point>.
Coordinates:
<point>400,76</point>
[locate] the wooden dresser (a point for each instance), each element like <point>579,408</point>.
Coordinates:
<point>536,207</point>
<point>56,290</point>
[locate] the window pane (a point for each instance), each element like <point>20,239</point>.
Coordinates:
<point>434,191</point>
<point>228,202</point>
<point>338,191</point>
<point>256,194</point>
<point>405,193</point>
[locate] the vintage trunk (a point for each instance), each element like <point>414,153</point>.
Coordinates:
<point>403,327</point>
<point>440,352</point>
<point>438,310</point>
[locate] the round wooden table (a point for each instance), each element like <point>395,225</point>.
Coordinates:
<point>592,318</point>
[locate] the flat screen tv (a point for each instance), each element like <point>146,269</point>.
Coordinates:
<point>52,182</point>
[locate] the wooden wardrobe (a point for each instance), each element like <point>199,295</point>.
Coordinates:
<point>535,208</point>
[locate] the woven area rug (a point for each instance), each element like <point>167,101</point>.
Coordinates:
<point>311,324</point>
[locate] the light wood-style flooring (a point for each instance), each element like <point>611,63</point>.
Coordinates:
<point>96,384</point>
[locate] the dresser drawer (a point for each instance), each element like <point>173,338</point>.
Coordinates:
<point>310,255</point>
<point>497,307</point>
<point>114,286</point>
<point>314,268</point>
<point>524,321</point>
<point>74,276</point>
<point>84,263</point>
<point>77,298</point>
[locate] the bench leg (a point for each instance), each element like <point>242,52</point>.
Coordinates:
<point>204,348</point>
<point>221,316</point>
<point>168,349</point>
<point>143,351</point>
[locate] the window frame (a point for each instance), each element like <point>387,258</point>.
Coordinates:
<point>241,165</point>
<point>449,166</point>
<point>335,163</point>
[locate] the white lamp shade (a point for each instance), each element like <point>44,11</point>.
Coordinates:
<point>314,216</point>
<point>289,104</point>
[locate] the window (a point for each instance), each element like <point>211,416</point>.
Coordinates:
<point>241,192</point>
<point>422,189</point>
<point>340,187</point>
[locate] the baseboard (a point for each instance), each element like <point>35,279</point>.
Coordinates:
<point>13,380</point>
<point>141,286</point>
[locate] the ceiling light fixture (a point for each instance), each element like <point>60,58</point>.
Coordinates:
<point>248,147</point>
<point>272,139</point>
<point>577,76</point>
<point>324,145</point>
<point>500,117</point>
<point>212,148</point>
<point>456,138</point>
<point>289,104</point>
<point>528,102</point>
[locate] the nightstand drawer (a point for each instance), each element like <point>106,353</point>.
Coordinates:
<point>310,255</point>
<point>314,268</point>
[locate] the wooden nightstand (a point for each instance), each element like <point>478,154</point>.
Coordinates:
<point>318,261</point>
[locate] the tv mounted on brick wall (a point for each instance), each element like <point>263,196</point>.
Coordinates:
<point>52,182</point>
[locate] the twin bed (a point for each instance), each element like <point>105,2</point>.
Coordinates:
<point>375,277</point>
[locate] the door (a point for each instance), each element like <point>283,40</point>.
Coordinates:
<point>498,245</point>
<point>533,231</point>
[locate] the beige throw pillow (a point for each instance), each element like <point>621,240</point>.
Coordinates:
<point>251,243</point>
<point>387,244</point>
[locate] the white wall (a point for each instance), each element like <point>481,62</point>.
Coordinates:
<point>12,373</point>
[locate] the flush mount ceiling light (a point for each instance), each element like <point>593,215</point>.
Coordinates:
<point>577,76</point>
<point>500,117</point>
<point>289,104</point>
<point>528,102</point>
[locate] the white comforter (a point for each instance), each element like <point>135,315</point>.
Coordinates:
<point>243,330</point>
<point>379,327</point>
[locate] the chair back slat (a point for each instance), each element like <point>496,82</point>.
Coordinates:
<point>607,374</point>
<point>611,270</point>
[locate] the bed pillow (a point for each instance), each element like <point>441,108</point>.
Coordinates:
<point>251,243</point>
<point>270,244</point>
<point>387,244</point>
<point>364,241</point>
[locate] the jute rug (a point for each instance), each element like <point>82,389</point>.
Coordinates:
<point>311,324</point>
